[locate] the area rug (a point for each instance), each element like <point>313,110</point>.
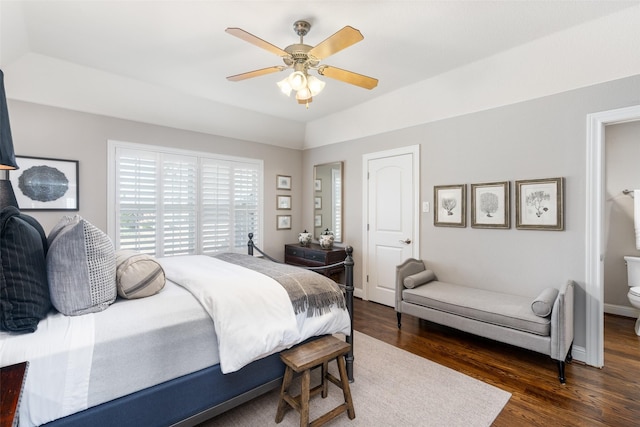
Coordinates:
<point>392,387</point>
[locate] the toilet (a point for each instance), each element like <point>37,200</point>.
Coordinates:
<point>633,279</point>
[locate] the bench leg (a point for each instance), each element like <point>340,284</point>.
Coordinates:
<point>399,319</point>
<point>282,404</point>
<point>561,376</point>
<point>304,398</point>
<point>346,390</point>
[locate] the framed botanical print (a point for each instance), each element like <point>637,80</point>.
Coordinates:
<point>450,205</point>
<point>490,205</point>
<point>540,204</point>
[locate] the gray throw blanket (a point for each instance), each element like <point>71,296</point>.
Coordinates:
<point>307,290</point>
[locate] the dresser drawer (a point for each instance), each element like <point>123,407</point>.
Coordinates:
<point>316,256</point>
<point>294,251</point>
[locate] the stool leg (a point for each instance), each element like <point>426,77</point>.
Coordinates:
<point>282,404</point>
<point>304,398</point>
<point>325,385</point>
<point>345,387</point>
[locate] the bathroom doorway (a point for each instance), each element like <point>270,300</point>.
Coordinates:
<point>595,198</point>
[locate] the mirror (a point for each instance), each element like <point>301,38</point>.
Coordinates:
<point>327,199</point>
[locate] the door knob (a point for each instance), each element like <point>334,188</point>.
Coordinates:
<point>407,241</point>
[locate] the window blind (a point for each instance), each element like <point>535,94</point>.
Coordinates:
<point>182,203</point>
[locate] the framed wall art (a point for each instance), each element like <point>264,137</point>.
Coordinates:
<point>283,222</point>
<point>283,202</point>
<point>317,184</point>
<point>540,204</point>
<point>317,203</point>
<point>490,205</point>
<point>46,184</point>
<point>450,205</point>
<point>317,222</point>
<point>283,182</point>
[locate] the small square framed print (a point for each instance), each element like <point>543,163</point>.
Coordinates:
<point>317,184</point>
<point>283,202</point>
<point>283,182</point>
<point>283,222</point>
<point>317,220</point>
<point>317,203</point>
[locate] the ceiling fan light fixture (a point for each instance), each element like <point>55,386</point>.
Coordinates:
<point>284,86</point>
<point>303,94</point>
<point>315,85</point>
<point>297,80</point>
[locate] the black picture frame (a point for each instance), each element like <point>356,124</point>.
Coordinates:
<point>46,184</point>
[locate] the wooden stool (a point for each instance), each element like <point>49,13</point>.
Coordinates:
<point>304,358</point>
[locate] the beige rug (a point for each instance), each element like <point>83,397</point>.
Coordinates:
<point>392,387</point>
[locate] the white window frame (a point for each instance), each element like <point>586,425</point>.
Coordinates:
<point>112,200</point>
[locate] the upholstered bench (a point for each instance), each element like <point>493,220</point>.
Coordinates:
<point>302,359</point>
<point>543,324</point>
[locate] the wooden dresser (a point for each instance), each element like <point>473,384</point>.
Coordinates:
<point>314,256</point>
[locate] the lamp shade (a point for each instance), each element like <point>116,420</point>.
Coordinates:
<point>7,155</point>
<point>7,196</point>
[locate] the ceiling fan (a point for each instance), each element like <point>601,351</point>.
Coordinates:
<point>302,58</point>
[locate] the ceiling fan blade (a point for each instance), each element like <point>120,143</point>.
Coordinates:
<point>335,43</point>
<point>255,73</point>
<point>248,37</point>
<point>348,77</point>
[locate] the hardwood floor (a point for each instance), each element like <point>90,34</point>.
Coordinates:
<point>591,396</point>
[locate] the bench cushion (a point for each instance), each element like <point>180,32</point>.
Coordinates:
<point>500,309</point>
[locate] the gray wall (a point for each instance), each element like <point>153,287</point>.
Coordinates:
<point>541,138</point>
<point>43,131</point>
<point>622,163</point>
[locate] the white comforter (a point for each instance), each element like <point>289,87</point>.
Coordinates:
<point>252,313</point>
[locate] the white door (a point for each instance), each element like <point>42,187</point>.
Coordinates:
<point>391,218</point>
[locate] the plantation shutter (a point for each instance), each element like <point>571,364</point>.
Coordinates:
<point>173,204</point>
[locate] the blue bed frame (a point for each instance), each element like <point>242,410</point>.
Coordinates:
<point>196,397</point>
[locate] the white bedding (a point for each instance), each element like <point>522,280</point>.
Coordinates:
<point>252,313</point>
<point>59,354</point>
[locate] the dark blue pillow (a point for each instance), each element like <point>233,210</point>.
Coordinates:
<point>24,289</point>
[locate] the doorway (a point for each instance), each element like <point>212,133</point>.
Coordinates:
<point>594,286</point>
<point>390,218</point>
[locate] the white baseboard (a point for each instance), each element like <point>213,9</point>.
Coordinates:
<point>358,293</point>
<point>621,310</point>
<point>579,353</point>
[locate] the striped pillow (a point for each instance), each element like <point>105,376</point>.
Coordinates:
<point>138,275</point>
<point>24,291</point>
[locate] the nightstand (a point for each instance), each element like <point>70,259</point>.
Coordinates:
<point>12,380</point>
<point>315,256</point>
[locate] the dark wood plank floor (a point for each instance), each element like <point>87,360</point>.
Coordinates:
<point>591,396</point>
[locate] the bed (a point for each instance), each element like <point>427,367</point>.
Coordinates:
<point>163,360</point>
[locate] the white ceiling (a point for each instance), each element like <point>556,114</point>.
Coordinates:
<point>141,60</point>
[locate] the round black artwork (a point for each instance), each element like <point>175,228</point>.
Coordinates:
<point>43,183</point>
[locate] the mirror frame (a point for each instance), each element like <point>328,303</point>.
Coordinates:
<point>339,236</point>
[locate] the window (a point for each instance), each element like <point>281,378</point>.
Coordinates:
<point>176,202</point>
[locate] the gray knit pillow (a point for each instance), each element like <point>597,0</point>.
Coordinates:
<point>81,267</point>
<point>138,275</point>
